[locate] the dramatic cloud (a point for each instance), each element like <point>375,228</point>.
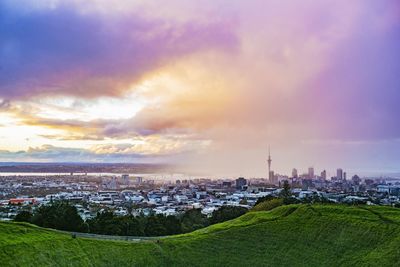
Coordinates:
<point>209,84</point>
<point>61,50</point>
<point>152,150</point>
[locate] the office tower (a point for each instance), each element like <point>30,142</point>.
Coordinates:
<point>125,179</point>
<point>356,179</point>
<point>113,183</point>
<point>311,172</point>
<point>240,183</point>
<point>339,174</point>
<point>138,180</point>
<point>294,173</point>
<point>323,175</point>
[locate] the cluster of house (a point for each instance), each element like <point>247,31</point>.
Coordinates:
<point>171,198</point>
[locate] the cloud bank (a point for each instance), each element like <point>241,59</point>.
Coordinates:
<point>209,85</point>
<point>61,50</point>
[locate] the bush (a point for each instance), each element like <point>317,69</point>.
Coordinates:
<point>263,199</point>
<point>268,205</point>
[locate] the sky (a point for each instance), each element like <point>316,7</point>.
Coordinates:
<point>208,85</point>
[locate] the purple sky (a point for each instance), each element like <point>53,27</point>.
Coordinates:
<point>208,84</point>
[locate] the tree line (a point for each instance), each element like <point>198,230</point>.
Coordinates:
<point>64,216</point>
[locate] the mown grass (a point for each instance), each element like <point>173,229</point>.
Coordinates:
<point>294,235</point>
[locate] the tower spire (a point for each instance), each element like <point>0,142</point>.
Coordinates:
<point>269,164</point>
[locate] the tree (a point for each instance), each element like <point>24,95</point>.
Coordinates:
<point>285,193</point>
<point>173,225</point>
<point>192,220</point>
<point>23,216</point>
<point>106,223</point>
<point>155,226</point>
<point>133,226</point>
<point>226,213</point>
<point>58,215</point>
<point>315,198</point>
<point>243,201</point>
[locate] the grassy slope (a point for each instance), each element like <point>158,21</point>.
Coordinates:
<point>296,235</point>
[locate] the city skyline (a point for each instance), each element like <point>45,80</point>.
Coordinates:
<point>208,85</point>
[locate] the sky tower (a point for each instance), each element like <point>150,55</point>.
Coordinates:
<point>269,164</point>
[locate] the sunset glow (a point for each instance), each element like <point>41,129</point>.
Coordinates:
<point>208,84</point>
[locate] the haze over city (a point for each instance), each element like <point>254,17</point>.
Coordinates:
<point>208,85</point>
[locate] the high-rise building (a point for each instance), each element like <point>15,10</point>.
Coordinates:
<point>339,174</point>
<point>271,178</point>
<point>323,175</point>
<point>138,180</point>
<point>356,179</point>
<point>295,173</point>
<point>113,183</point>
<point>311,173</point>
<point>344,176</point>
<point>125,179</point>
<point>240,183</point>
<point>226,184</point>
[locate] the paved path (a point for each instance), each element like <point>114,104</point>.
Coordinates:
<point>112,237</point>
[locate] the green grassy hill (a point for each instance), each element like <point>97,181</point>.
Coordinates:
<point>294,235</point>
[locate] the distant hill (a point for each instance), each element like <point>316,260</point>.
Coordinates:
<point>68,167</point>
<point>294,235</point>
